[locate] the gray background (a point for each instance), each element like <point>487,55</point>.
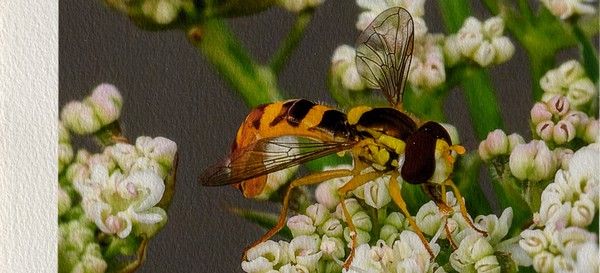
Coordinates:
<point>170,91</point>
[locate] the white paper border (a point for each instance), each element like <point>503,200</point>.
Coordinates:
<point>28,135</point>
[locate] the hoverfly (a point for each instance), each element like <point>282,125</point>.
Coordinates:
<point>382,141</point>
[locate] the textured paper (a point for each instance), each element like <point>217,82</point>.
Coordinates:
<point>28,135</point>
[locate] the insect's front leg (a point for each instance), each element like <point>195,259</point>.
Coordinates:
<point>302,181</point>
<point>396,195</point>
<point>354,183</point>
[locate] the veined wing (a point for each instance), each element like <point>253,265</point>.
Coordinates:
<point>266,156</point>
<point>384,52</point>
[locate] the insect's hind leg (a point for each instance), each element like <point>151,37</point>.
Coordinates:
<point>306,180</point>
<point>463,208</point>
<point>354,183</point>
<point>396,195</point>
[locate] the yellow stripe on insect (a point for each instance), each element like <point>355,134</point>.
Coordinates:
<point>393,143</point>
<point>355,113</point>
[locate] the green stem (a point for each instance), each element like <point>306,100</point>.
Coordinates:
<point>467,180</point>
<point>540,62</point>
<point>481,101</point>
<point>588,53</point>
<point>291,41</point>
<point>255,84</point>
<point>454,12</point>
<point>510,195</point>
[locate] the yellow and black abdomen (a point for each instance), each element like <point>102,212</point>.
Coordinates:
<point>296,118</point>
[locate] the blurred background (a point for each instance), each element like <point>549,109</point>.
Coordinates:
<point>170,91</point>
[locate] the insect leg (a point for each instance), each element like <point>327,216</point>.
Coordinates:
<point>306,180</point>
<point>396,195</point>
<point>463,208</point>
<point>354,183</point>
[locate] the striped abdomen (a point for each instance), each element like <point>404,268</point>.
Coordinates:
<point>298,117</point>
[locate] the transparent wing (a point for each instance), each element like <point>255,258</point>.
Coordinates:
<point>384,51</point>
<point>266,156</point>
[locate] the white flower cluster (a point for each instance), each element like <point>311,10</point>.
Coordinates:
<point>121,187</point>
<point>480,42</point>
<point>101,108</point>
<point>372,8</point>
<point>555,122</point>
<point>569,80</point>
<point>299,5</point>
<point>567,8</point>
<point>343,66</point>
<point>560,242</point>
<point>77,248</point>
<point>322,239</point>
<point>160,12</point>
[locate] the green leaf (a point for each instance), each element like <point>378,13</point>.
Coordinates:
<point>588,53</point>
<point>481,100</point>
<point>263,219</point>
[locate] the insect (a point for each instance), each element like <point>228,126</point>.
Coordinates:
<point>381,141</point>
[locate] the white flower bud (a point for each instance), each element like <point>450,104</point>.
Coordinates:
<point>543,262</point>
<point>488,264</point>
<point>65,156</point>
<point>558,106</point>
<point>469,37</point>
<point>124,154</point>
<point>493,26</point>
<point>332,247</point>
<point>269,250</point>
<point>304,250</point>
<point>532,161</point>
<point>504,49</point>
<point>587,258</point>
<point>563,155</point>
<point>91,261</point>
<point>565,9</point>
<point>563,264</point>
<point>592,131</point>
<point>545,130</point>
<point>64,201</point>
<point>533,241</point>
<point>540,113</point>
<point>352,206</point>
<point>327,192</point>
<point>258,265</point>
<point>581,92</point>
<point>362,236</point>
<point>160,149</point>
<point>563,132</point>
<point>571,238</point>
<point>106,102</point>
<point>80,118</point>
<point>552,83</point>
<point>332,228</point>
<point>301,225</point>
<point>452,51</point>
<point>343,65</point>
<point>571,70</point>
<point>485,53</point>
<point>376,192</point>
<point>496,227</point>
<point>429,219</point>
<point>361,220</point>
<point>495,144</point>
<point>63,134</point>
<point>514,139</point>
<point>318,213</point>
